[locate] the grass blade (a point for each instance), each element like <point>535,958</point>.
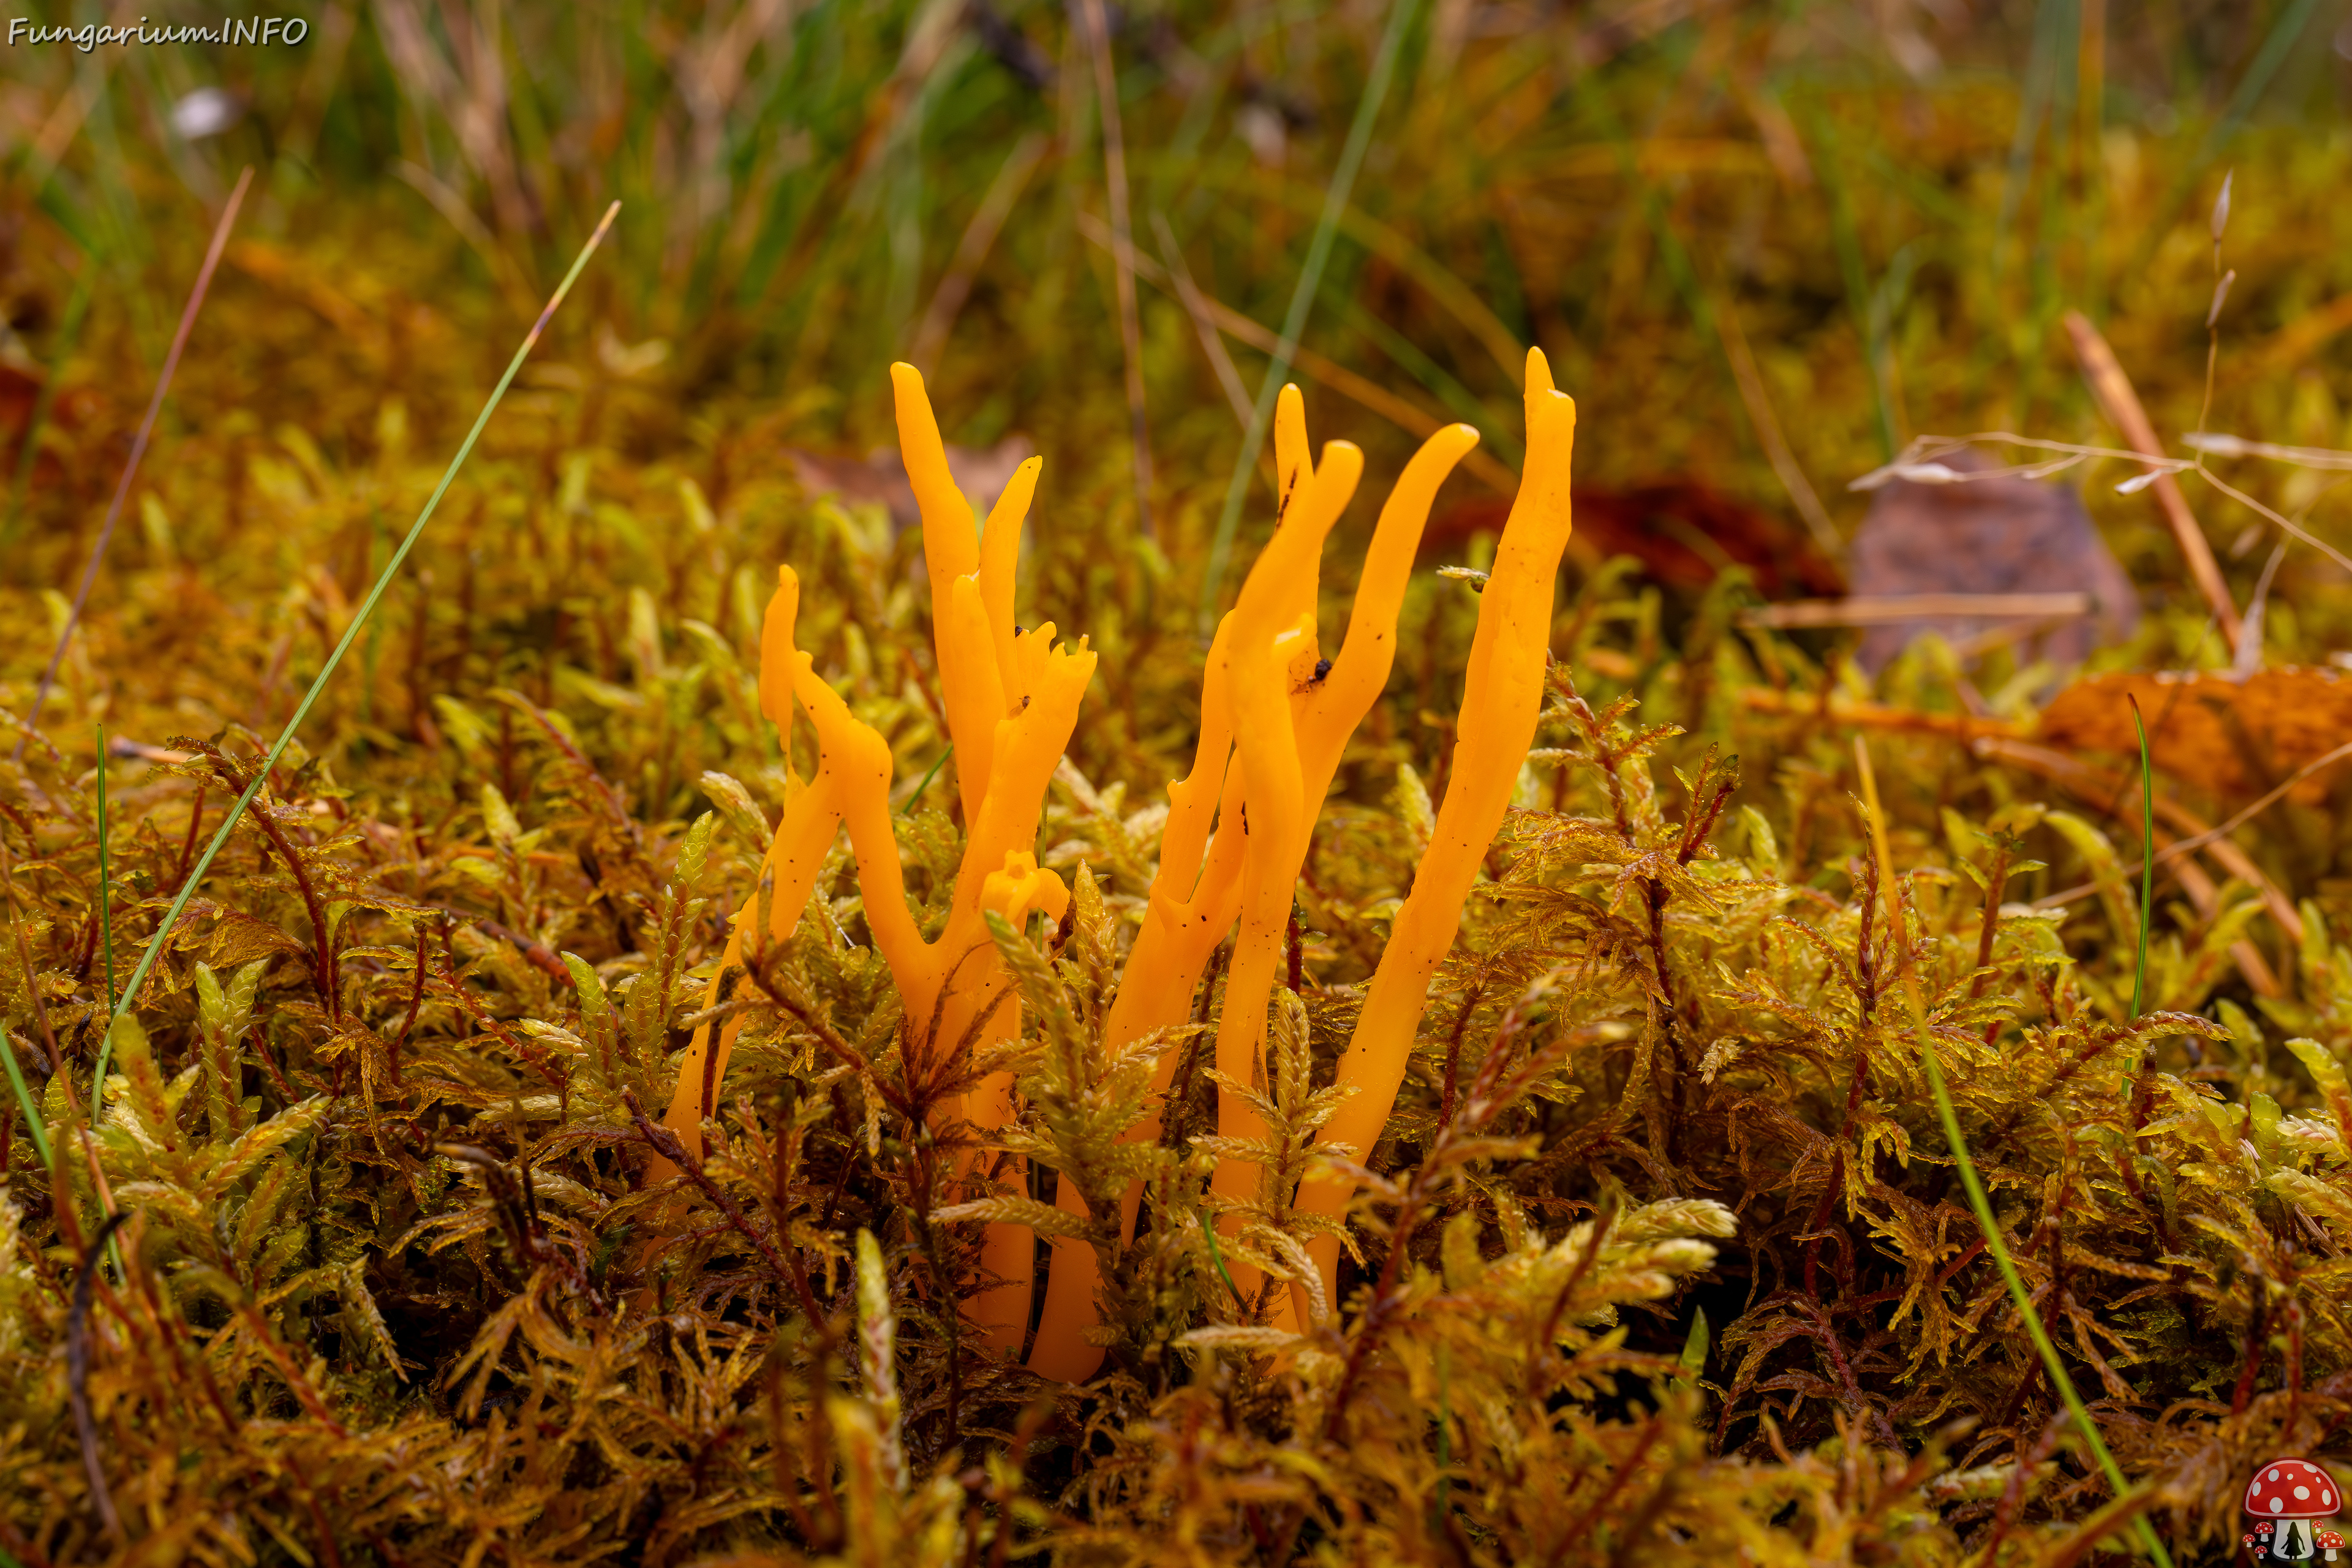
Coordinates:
<point>1950,1119</point>
<point>359,621</point>
<point>916,799</point>
<point>26,1105</point>
<point>138,450</point>
<point>1310,278</point>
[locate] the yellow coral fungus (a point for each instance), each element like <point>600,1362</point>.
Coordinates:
<point>1012,701</point>
<point>1288,728</point>
<point>1275,719</point>
<point>1500,701</point>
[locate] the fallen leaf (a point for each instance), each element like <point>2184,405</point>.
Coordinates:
<point>2207,727</point>
<point>2002,535</point>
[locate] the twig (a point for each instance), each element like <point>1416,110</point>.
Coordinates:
<point>326,1533</point>
<point>1873,715</point>
<point>78,1374</point>
<point>2094,782</point>
<point>1580,1531</point>
<point>1887,609</point>
<point>2220,445</point>
<point>2286,523</point>
<point>1921,462</point>
<point>138,450</point>
<point>2180,846</point>
<point>2114,391</point>
<point>2146,859</point>
<point>535,953</point>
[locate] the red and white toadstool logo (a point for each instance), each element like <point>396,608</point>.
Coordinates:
<point>2289,1496</point>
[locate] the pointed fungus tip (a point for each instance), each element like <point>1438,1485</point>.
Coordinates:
<point>1538,371</point>
<point>907,385</point>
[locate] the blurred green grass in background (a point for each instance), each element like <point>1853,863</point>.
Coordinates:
<point>1892,204</point>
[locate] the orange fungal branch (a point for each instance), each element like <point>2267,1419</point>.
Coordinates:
<point>1011,701</point>
<point>1274,720</point>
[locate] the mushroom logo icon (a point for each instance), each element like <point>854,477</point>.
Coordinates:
<point>2290,1497</point>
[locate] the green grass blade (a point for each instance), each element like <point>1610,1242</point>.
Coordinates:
<point>916,799</point>
<point>1950,1117</point>
<point>1302,297</point>
<point>1217,1258</point>
<point>359,622</point>
<point>25,1103</point>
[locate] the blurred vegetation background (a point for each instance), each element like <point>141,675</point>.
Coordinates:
<point>1886,206</point>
